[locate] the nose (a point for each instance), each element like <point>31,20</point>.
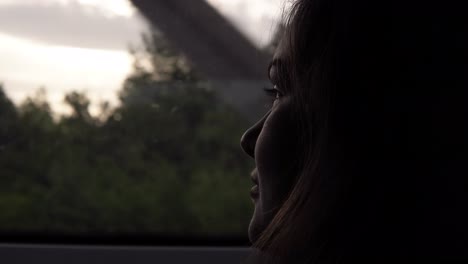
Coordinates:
<point>249,139</point>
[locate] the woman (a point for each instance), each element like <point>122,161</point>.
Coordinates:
<point>363,154</point>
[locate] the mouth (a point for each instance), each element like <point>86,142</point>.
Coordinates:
<point>254,176</point>
<point>255,191</point>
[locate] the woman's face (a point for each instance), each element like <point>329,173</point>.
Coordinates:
<point>271,142</point>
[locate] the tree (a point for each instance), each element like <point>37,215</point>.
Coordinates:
<point>166,160</point>
<point>8,119</point>
<point>180,117</point>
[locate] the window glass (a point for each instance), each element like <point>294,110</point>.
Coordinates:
<point>111,124</point>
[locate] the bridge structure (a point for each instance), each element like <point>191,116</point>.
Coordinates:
<point>216,48</point>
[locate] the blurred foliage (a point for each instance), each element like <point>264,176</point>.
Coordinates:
<point>165,160</point>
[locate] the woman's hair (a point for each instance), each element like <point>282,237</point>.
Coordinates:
<point>380,96</point>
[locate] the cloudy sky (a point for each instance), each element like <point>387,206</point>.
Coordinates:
<point>39,39</point>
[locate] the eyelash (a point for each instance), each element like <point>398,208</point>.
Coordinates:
<point>272,92</point>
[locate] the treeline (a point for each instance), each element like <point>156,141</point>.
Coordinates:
<point>165,160</point>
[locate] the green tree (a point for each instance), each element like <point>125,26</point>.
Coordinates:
<point>181,118</point>
<point>165,160</point>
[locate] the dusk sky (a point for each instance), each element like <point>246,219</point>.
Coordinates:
<point>39,39</point>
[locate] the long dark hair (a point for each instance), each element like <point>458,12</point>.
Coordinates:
<point>380,96</point>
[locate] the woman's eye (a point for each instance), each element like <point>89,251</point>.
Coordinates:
<point>273,93</point>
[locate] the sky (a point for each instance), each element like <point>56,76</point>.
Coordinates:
<point>40,38</point>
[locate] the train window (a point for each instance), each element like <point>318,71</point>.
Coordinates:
<point>122,118</point>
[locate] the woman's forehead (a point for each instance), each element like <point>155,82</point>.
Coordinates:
<point>280,52</point>
<point>278,59</point>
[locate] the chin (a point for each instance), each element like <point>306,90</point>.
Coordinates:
<point>256,226</point>
<point>253,232</point>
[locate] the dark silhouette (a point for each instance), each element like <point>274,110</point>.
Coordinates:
<point>364,153</point>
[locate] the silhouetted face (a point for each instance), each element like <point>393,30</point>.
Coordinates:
<point>271,142</point>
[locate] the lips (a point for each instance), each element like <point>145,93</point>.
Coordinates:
<point>254,176</point>
<point>255,191</point>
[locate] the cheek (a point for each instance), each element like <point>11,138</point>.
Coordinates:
<point>273,144</point>
<point>275,154</point>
